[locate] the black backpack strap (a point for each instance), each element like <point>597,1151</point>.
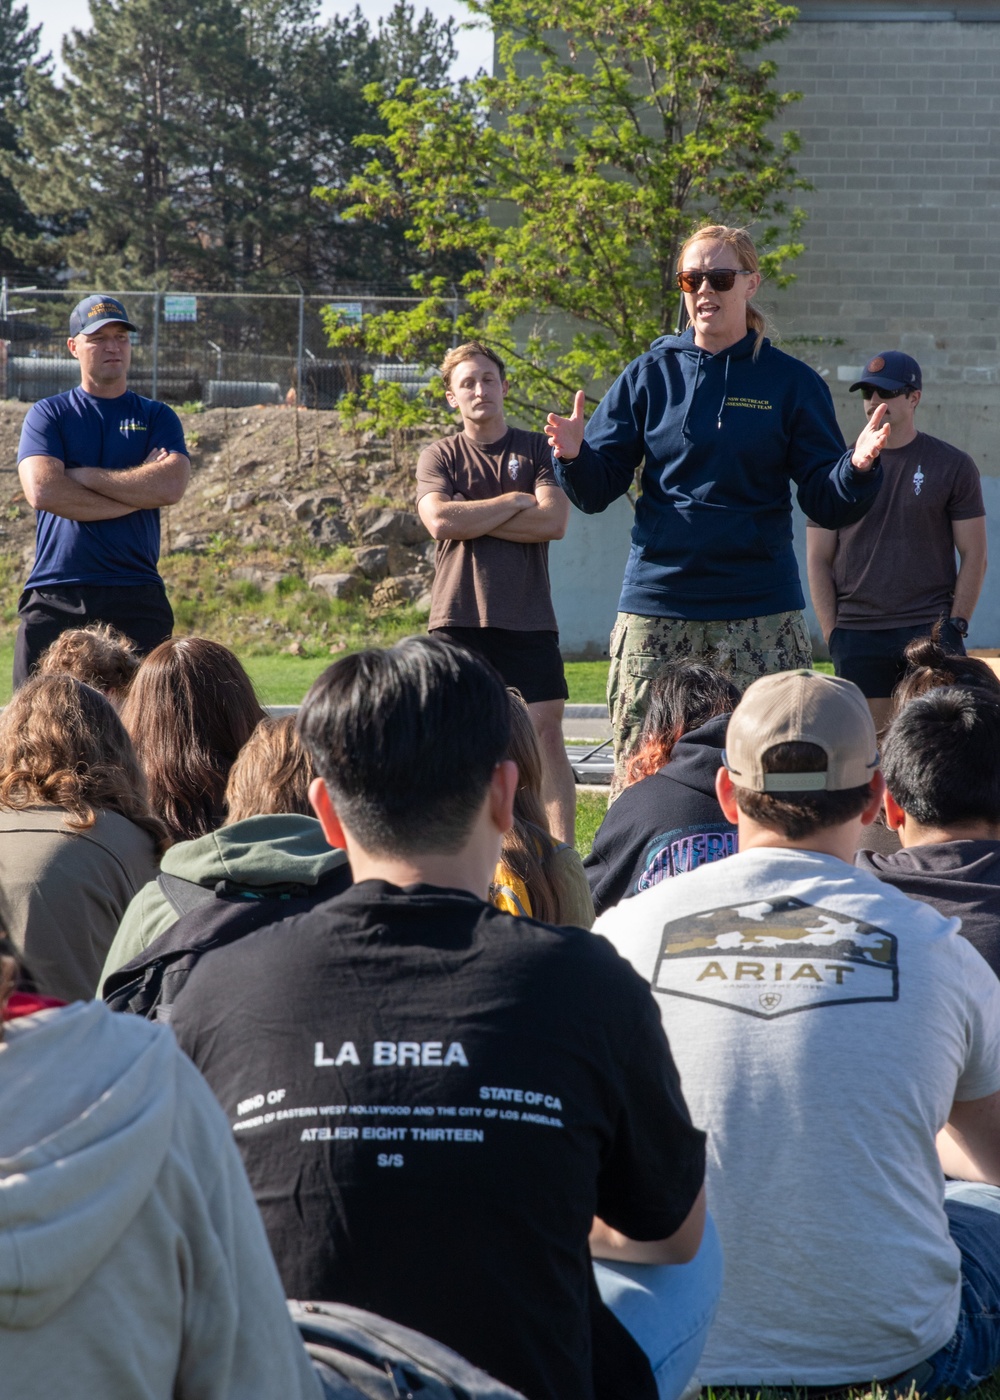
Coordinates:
<point>183,895</point>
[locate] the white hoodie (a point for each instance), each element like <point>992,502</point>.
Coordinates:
<point>133,1262</point>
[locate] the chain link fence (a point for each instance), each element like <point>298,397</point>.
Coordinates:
<point>221,349</point>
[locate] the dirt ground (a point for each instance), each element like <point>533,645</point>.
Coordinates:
<point>273,455</point>
<point>275,492</point>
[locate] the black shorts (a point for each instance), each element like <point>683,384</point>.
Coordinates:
<point>874,660</point>
<point>140,610</point>
<point>531,661</point>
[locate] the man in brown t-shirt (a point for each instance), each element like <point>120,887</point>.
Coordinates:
<point>489,498</point>
<point>877,584</point>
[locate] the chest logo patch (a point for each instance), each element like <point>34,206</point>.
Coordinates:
<point>774,957</point>
<point>918,480</point>
<point>514,467</point>
<point>131,425</point>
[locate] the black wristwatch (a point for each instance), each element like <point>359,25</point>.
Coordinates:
<point>961,625</point>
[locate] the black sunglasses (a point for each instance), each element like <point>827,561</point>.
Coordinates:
<point>884,394</point>
<point>720,279</point>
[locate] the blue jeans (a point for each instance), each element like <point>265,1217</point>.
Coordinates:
<point>668,1308</point>
<point>973,1353</point>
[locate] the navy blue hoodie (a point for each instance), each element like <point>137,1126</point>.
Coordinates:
<point>723,436</point>
<point>665,824</point>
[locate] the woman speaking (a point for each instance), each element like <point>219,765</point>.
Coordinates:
<point>723,424</point>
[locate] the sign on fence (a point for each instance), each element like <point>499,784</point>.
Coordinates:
<point>178,308</point>
<point>349,312</point>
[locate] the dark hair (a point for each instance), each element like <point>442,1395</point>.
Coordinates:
<point>686,695</point>
<point>929,666</point>
<point>98,655</point>
<point>272,773</point>
<point>190,710</point>
<point>528,849</point>
<point>942,757</point>
<point>798,814</point>
<point>406,741</point>
<point>63,745</point>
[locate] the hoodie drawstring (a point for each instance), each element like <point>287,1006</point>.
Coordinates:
<point>725,386</point>
<point>694,386</point>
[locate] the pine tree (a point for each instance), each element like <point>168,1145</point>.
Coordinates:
<point>18,54</point>
<point>188,136</point>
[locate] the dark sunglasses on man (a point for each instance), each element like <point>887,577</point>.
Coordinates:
<point>720,279</point>
<point>884,394</point>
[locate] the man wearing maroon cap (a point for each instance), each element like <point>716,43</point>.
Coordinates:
<point>891,576</point>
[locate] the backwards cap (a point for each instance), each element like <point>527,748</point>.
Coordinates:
<point>802,707</point>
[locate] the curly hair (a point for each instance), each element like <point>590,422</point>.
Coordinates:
<point>98,655</point>
<point>190,710</point>
<point>272,773</point>
<point>63,745</point>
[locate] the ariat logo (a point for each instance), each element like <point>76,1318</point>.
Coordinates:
<point>131,425</point>
<point>773,957</point>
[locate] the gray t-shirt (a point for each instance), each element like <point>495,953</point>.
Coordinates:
<point>488,582</point>
<point>823,1024</point>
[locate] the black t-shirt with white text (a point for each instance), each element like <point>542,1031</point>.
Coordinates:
<point>433,1099</point>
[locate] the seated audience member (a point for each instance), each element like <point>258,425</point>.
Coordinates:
<point>667,819</point>
<point>827,1029</point>
<point>941,762</point>
<point>77,838</point>
<point>929,666</point>
<point>461,1092</point>
<point>98,655</point>
<point>537,876</point>
<point>133,1261</point>
<point>189,710</point>
<point>267,862</point>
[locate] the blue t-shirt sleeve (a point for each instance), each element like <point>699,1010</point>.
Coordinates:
<point>40,435</point>
<point>165,430</point>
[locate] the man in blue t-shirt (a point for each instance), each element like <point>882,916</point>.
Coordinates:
<point>97,463</point>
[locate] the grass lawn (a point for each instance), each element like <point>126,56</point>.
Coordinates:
<point>590,810</point>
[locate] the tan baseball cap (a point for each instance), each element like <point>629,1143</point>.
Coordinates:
<point>803,707</point>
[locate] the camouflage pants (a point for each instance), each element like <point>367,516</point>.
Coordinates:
<point>742,648</point>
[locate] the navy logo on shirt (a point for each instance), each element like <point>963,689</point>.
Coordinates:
<point>772,957</point>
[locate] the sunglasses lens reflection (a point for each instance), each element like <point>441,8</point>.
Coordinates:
<point>720,280</point>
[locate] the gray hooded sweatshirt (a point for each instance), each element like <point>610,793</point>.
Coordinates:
<point>133,1262</point>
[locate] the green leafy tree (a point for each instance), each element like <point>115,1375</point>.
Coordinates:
<point>18,54</point>
<point>570,179</point>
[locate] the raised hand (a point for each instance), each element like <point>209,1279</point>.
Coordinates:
<point>871,440</point>
<point>565,435</point>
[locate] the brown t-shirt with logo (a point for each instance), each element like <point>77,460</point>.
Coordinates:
<point>488,582</point>
<point>896,566</point>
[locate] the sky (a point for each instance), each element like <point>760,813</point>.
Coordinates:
<point>475,47</point>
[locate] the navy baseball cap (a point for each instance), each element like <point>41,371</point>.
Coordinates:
<point>94,312</point>
<point>890,370</point>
